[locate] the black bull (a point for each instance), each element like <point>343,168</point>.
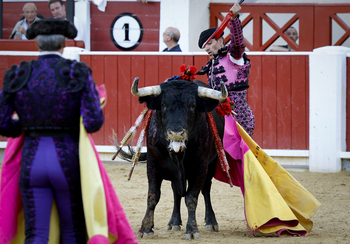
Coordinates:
<point>181,149</point>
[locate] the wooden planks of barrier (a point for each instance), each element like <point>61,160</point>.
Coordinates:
<point>278,93</point>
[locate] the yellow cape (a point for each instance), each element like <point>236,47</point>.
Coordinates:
<point>274,200</point>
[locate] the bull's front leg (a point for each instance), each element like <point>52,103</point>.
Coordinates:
<point>192,231</point>
<point>154,185</point>
<point>210,219</point>
<point>195,185</point>
<point>175,220</point>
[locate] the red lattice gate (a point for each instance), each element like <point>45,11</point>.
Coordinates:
<point>314,20</point>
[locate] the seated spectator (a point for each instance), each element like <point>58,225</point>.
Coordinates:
<point>293,34</point>
<point>29,17</point>
<point>171,37</point>
<point>58,10</point>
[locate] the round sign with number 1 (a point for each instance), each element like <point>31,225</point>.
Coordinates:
<point>126,31</point>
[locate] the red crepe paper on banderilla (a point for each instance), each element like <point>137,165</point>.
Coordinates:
<point>189,72</point>
<point>225,107</point>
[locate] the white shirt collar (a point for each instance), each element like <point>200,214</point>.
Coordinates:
<point>49,52</point>
<point>237,61</point>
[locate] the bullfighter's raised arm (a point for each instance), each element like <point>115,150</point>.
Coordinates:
<point>237,46</point>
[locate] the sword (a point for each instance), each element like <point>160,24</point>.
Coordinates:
<point>221,27</point>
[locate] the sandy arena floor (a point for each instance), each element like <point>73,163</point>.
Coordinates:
<point>331,222</point>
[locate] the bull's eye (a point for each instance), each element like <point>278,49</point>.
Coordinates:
<point>192,106</point>
<point>163,106</point>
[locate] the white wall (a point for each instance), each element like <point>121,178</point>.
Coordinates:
<point>175,13</point>
<point>82,12</point>
<point>198,21</point>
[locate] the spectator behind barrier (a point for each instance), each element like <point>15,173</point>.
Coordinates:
<point>171,38</point>
<point>58,10</point>
<point>293,34</point>
<point>29,16</point>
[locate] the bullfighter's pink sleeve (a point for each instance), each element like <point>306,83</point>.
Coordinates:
<point>237,45</point>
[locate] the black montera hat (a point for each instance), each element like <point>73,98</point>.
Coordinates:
<point>205,35</point>
<point>51,26</point>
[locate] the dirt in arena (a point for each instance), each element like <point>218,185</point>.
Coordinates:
<point>331,221</point>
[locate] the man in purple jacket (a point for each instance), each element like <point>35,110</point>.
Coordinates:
<point>231,65</point>
<point>49,95</point>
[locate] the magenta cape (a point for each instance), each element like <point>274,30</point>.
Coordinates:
<point>274,202</point>
<point>11,217</point>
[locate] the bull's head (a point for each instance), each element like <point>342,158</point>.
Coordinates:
<point>179,105</point>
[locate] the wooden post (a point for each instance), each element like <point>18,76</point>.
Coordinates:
<point>327,108</point>
<point>70,10</point>
<point>1,18</point>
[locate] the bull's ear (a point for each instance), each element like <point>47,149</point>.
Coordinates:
<point>153,102</point>
<point>206,104</point>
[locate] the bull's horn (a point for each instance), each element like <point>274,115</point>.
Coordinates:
<point>214,94</point>
<point>145,91</point>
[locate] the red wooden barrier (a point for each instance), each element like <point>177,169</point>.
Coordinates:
<point>30,45</point>
<point>278,93</point>
<point>279,97</point>
<point>5,63</point>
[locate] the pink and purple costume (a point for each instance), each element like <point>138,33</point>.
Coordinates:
<point>232,66</point>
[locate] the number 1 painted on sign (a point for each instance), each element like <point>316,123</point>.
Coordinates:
<point>126,29</point>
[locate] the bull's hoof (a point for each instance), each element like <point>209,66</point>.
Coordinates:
<point>144,234</point>
<point>190,236</point>
<point>173,227</point>
<point>212,227</point>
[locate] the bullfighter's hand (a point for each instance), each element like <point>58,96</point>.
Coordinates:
<point>235,10</point>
